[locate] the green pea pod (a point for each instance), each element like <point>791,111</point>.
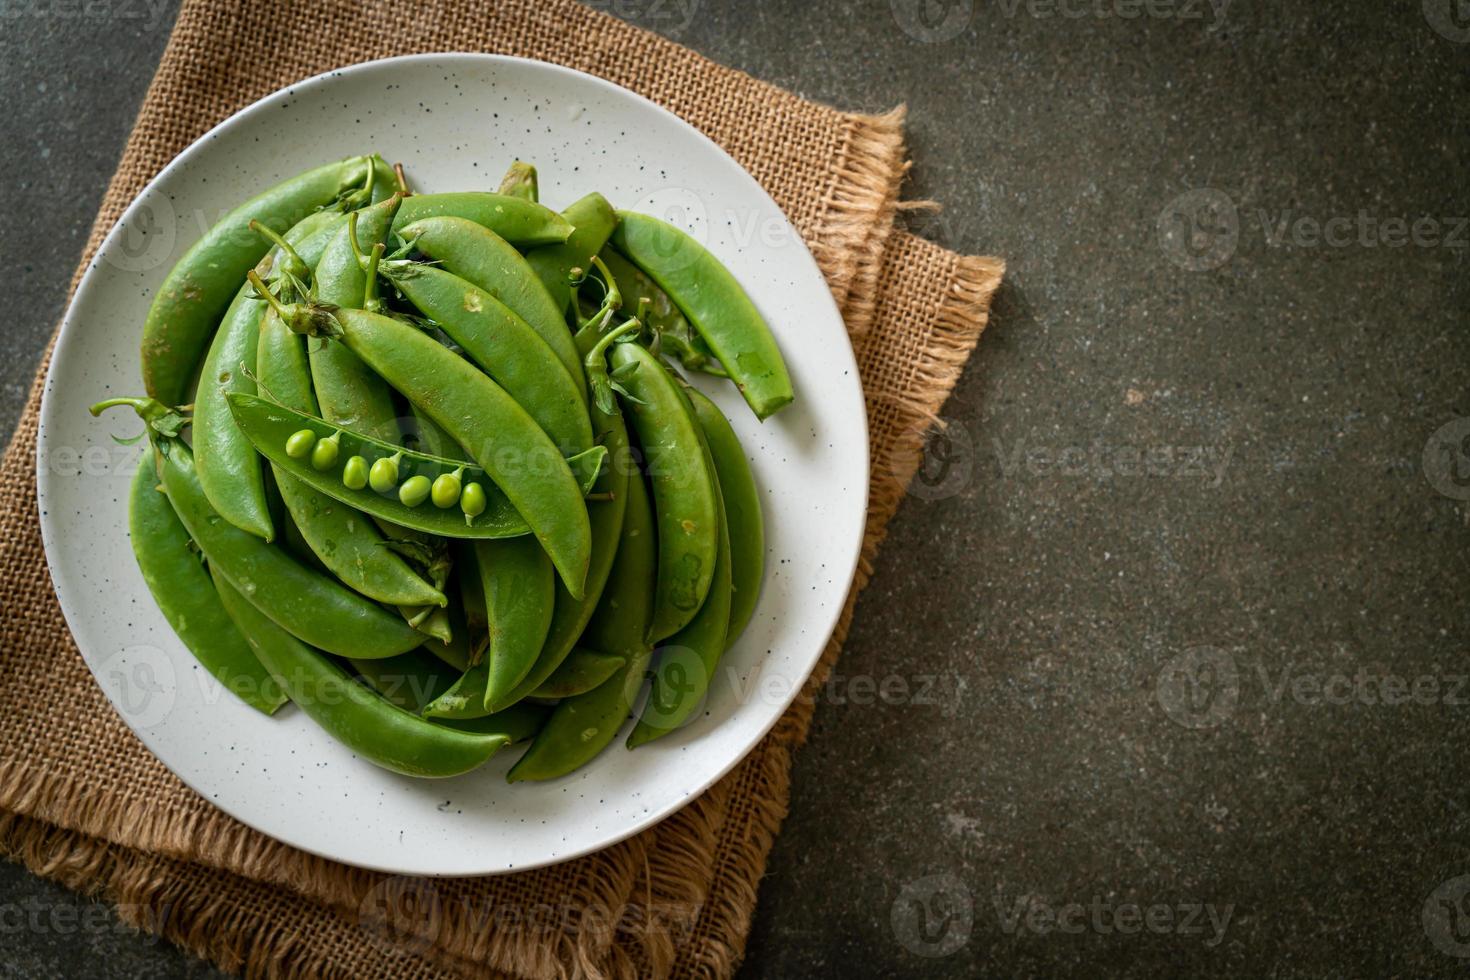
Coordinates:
<point>348,711</point>
<point>430,555</point>
<point>515,219</point>
<point>472,588</point>
<point>229,469</point>
<point>185,595</point>
<point>479,415</point>
<point>504,345</point>
<point>742,504</point>
<point>348,392</point>
<point>685,498</point>
<point>312,606</point>
<point>426,436</point>
<point>269,425</point>
<point>569,617</point>
<point>193,297</point>
<point>520,593</point>
<point>519,722</point>
<point>582,671</point>
<point>713,301</point>
<point>520,181</point>
<point>593,219</point>
<point>583,725</point>
<point>409,681</point>
<point>479,256</point>
<point>514,580</point>
<point>688,659</point>
<point>341,536</point>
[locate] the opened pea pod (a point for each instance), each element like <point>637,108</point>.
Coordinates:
<point>370,474</point>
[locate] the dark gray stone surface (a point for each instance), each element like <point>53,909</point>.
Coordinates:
<point>1177,607</point>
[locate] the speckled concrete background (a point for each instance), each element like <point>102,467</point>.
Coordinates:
<point>1163,670</point>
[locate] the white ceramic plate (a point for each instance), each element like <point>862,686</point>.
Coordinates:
<point>455,121</point>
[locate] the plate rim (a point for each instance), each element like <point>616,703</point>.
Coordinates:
<point>69,330</point>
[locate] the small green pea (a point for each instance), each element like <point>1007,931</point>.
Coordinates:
<point>298,446</point>
<point>383,477</point>
<point>415,490</point>
<point>355,473</point>
<point>446,490</point>
<point>324,455</point>
<point>472,502</point>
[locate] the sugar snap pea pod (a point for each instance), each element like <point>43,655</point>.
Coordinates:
<point>269,426</point>
<point>409,681</point>
<point>580,727</point>
<point>430,555</point>
<point>520,181</point>
<point>472,589</point>
<point>569,617</point>
<point>312,606</point>
<point>348,711</point>
<point>465,700</point>
<point>687,660</point>
<point>348,392</point>
<point>479,415</point>
<point>295,543</point>
<point>520,593</point>
<point>229,469</point>
<point>742,511</point>
<point>341,536</point>
<point>519,722</point>
<point>426,436</point>
<point>593,220</point>
<point>185,595</point>
<point>504,345</point>
<point>196,292</point>
<point>515,219</point>
<point>582,671</point>
<point>713,301</point>
<point>482,257</point>
<point>684,493</point>
<point>449,634</point>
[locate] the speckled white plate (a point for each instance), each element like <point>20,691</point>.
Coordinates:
<point>455,121</point>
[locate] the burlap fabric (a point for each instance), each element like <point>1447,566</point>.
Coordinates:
<point>81,801</point>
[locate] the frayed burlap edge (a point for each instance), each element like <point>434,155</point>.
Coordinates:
<point>848,243</point>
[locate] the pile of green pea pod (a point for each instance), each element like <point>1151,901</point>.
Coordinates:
<point>441,483</point>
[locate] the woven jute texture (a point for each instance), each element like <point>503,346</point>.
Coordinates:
<point>82,801</point>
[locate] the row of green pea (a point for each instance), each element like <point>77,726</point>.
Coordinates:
<point>444,491</point>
